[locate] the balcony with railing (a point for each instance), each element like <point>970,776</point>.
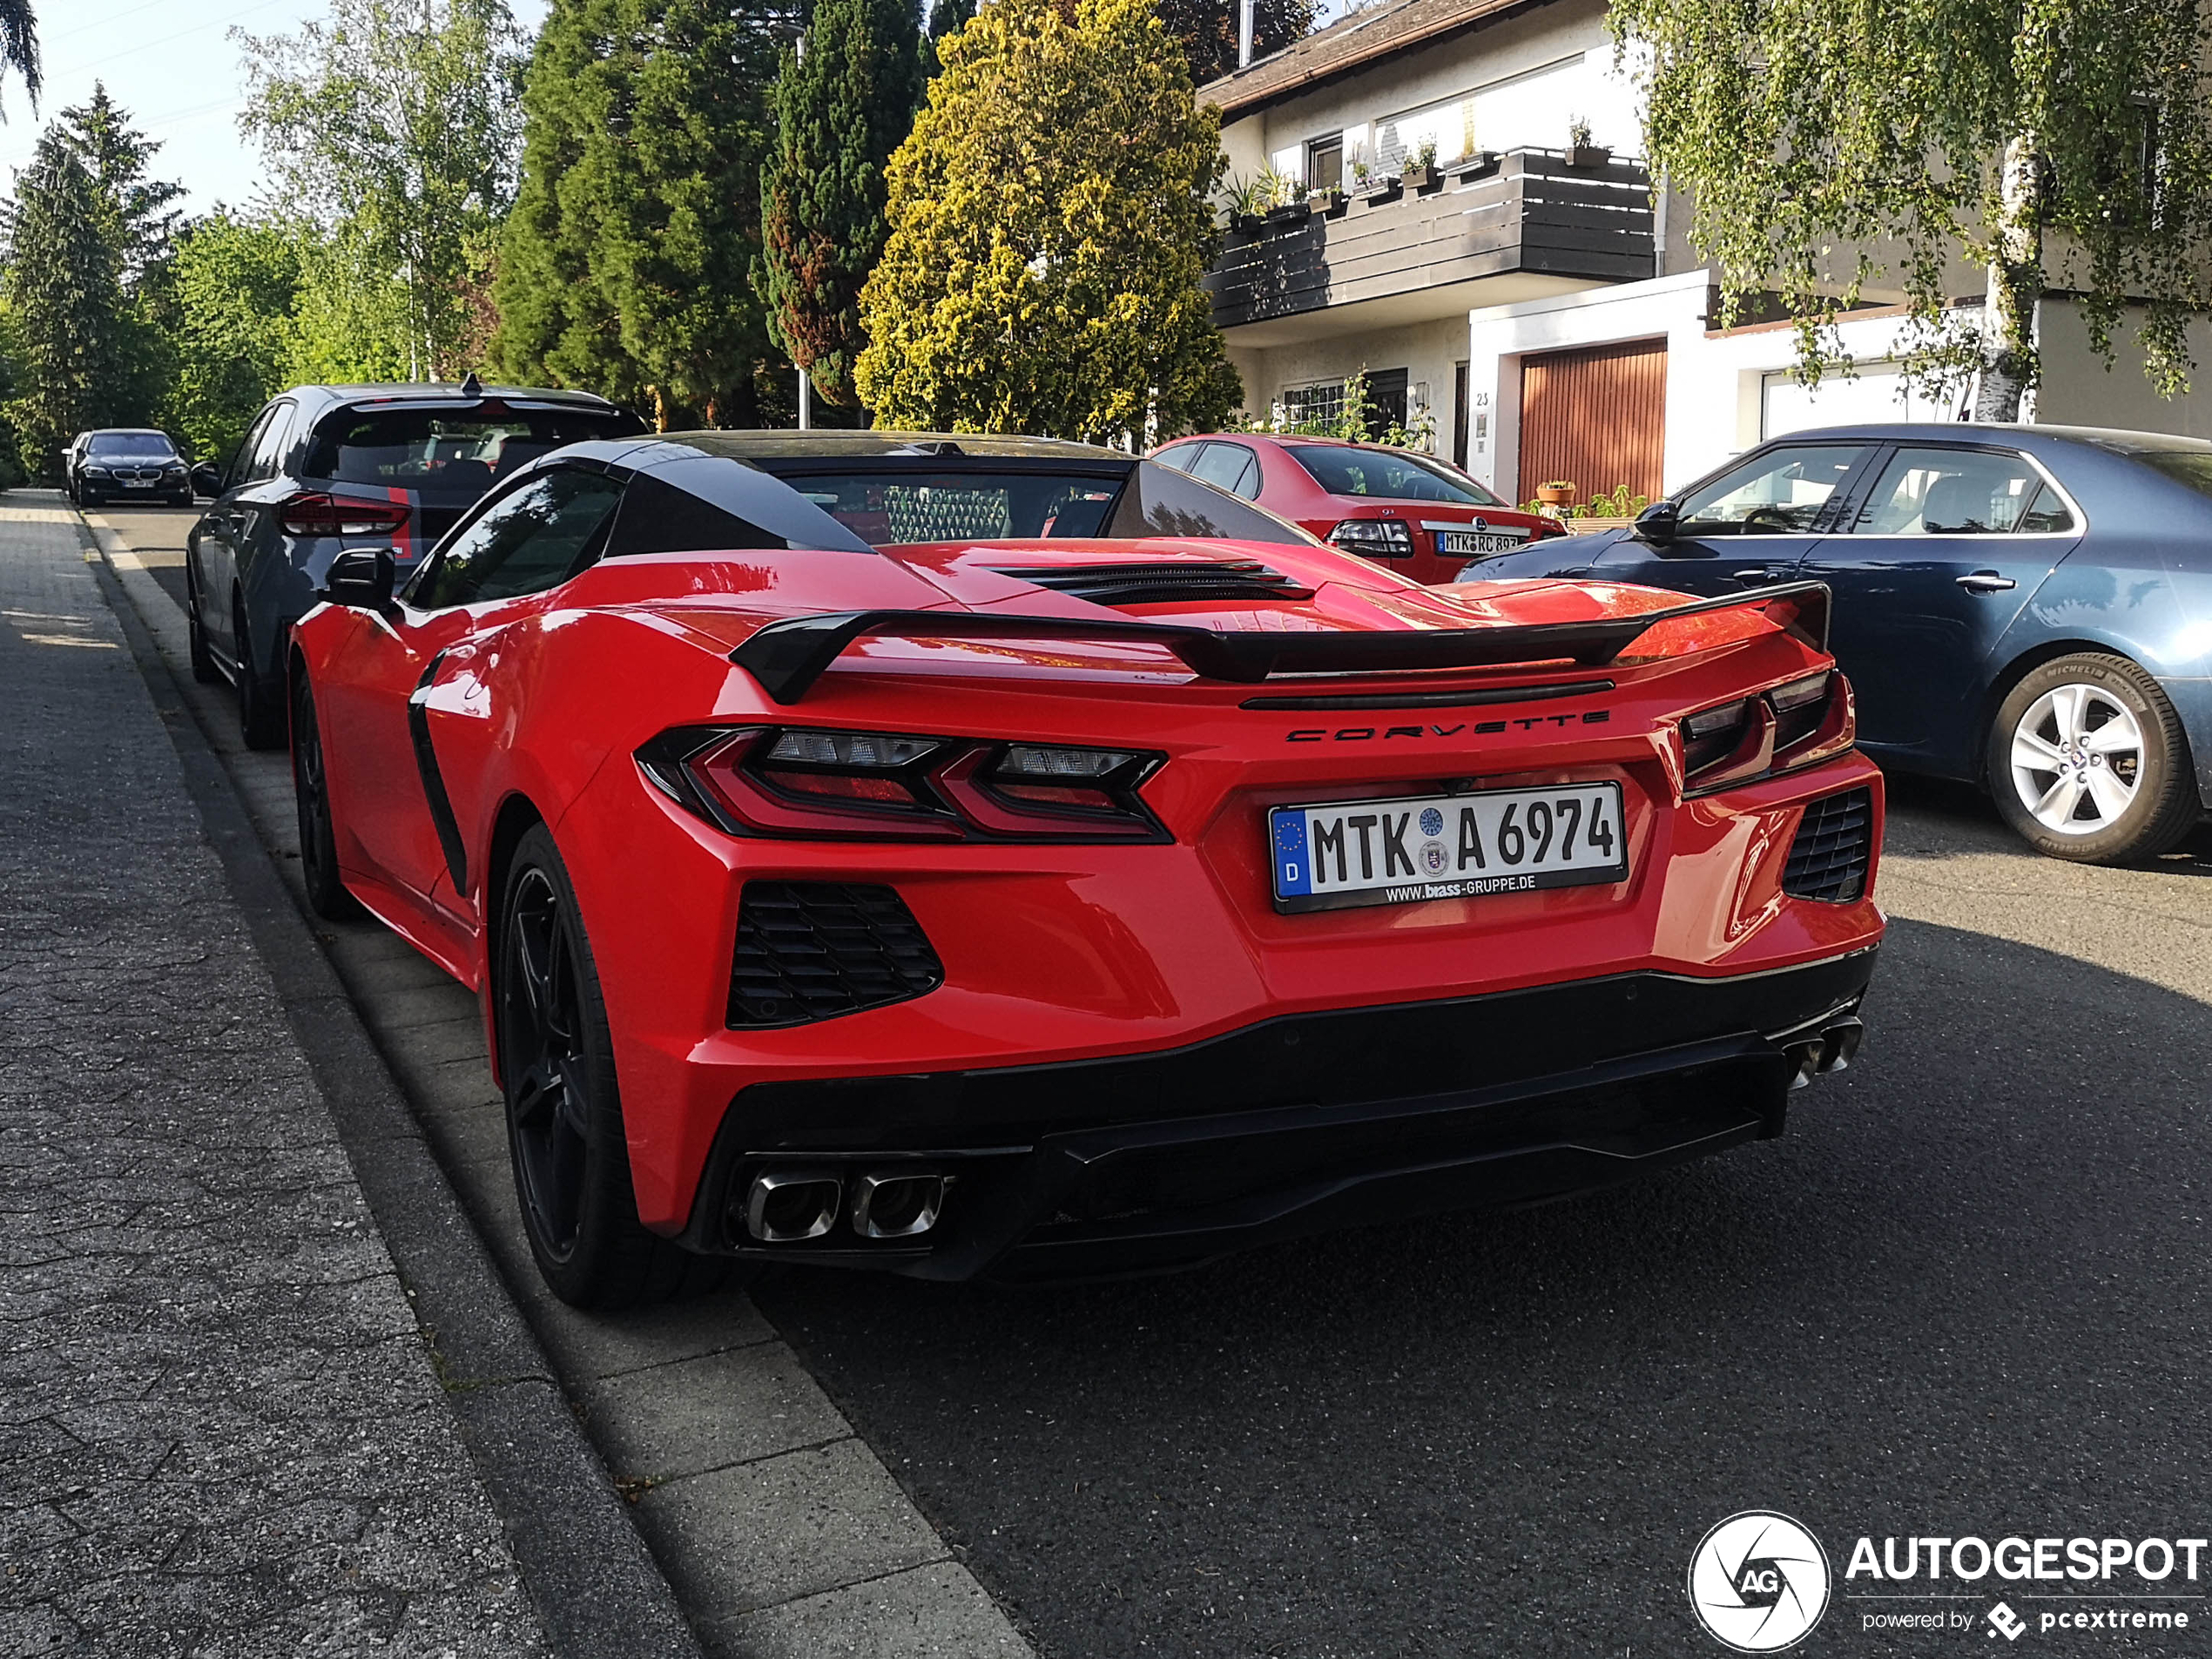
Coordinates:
<point>1565,218</point>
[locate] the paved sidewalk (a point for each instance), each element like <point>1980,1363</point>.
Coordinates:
<point>218,1420</point>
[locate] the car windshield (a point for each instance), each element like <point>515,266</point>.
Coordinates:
<point>1393,474</point>
<point>2190,467</point>
<point>882,507</point>
<point>134,445</point>
<point>448,457</point>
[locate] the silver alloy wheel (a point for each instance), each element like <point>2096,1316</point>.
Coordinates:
<point>2077,758</point>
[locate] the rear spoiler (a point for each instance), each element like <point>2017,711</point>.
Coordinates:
<point>788,657</point>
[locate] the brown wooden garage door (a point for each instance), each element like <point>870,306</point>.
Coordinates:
<point>1597,417</point>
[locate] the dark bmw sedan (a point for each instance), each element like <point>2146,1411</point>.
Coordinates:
<point>2024,608</point>
<point>328,468</point>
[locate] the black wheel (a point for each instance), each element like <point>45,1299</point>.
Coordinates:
<point>563,1109</point>
<point>203,660</point>
<point>2087,761</point>
<point>260,715</point>
<point>318,828</point>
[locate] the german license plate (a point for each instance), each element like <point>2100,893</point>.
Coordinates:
<point>137,483</point>
<point>1445,847</point>
<point>1476,543</point>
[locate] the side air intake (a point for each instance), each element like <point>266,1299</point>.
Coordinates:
<point>1152,584</point>
<point>813,950</point>
<point>1835,845</point>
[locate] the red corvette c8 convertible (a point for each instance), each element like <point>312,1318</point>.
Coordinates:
<point>955,854</point>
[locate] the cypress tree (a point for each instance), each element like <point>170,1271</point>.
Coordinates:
<point>841,105</point>
<point>64,288</point>
<point>626,264</point>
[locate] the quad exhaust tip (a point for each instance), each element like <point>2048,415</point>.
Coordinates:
<point>790,1206</point>
<point>1832,1050</point>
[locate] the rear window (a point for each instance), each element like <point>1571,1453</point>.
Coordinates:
<point>145,446</point>
<point>2190,467</point>
<point>448,457</point>
<point>1393,474</point>
<point>882,507</point>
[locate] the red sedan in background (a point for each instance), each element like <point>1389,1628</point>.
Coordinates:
<point>1426,519</point>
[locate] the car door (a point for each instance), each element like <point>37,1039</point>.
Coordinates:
<point>215,540</point>
<point>1943,552</point>
<point>513,550</point>
<point>1751,525</point>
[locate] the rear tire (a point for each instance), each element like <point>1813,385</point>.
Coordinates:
<point>203,660</point>
<point>260,713</point>
<point>564,1128</point>
<point>2087,761</point>
<point>326,892</point>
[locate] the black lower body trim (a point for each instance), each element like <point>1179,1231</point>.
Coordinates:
<point>1295,1125</point>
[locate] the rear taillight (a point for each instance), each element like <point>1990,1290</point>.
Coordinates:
<point>1374,538</point>
<point>316,514</point>
<point>816,784</point>
<point>1789,726</point>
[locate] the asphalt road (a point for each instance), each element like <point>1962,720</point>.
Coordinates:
<point>1967,1293</point>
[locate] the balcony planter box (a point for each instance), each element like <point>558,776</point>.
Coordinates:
<point>1380,188</point>
<point>1588,155</point>
<point>1418,178</point>
<point>1481,165</point>
<point>1245,224</point>
<point>1329,203</point>
<point>1289,214</point>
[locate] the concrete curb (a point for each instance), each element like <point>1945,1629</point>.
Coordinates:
<point>593,1582</point>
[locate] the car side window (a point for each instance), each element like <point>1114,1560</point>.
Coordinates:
<point>1230,466</point>
<point>242,457</point>
<point>1180,456</point>
<point>1936,490</point>
<point>1779,493</point>
<point>530,539</point>
<point>267,453</point>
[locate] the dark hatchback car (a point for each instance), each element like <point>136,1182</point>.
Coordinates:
<point>124,463</point>
<point>326,468</point>
<point>2024,608</point>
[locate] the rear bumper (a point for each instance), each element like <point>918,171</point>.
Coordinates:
<point>1292,1126</point>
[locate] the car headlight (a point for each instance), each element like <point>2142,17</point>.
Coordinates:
<point>96,471</point>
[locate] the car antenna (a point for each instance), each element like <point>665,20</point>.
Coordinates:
<point>471,386</point>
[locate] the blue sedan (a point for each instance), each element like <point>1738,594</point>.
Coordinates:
<point>2024,608</point>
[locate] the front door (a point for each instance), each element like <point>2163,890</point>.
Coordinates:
<point>1945,550</point>
<point>1749,528</point>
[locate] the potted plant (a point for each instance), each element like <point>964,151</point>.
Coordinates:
<point>1557,493</point>
<point>1329,198</point>
<point>1580,153</point>
<point>1419,170</point>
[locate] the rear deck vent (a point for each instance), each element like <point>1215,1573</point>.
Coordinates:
<point>813,950</point>
<point>1154,585</point>
<point>1834,845</point>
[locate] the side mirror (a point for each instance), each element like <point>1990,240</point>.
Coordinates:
<point>361,578</point>
<point>206,479</point>
<point>1658,523</point>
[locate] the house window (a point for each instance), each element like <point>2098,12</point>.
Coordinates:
<point>1324,162</point>
<point>1305,403</point>
<point>1324,403</point>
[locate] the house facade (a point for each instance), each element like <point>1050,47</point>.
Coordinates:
<point>1523,293</point>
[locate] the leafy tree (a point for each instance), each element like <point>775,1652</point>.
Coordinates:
<point>626,264</point>
<point>1049,224</point>
<point>393,126</point>
<point>139,214</point>
<point>19,44</point>
<point>230,290</point>
<point>1208,30</point>
<point>841,104</point>
<point>64,289</point>
<point>2056,142</point>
